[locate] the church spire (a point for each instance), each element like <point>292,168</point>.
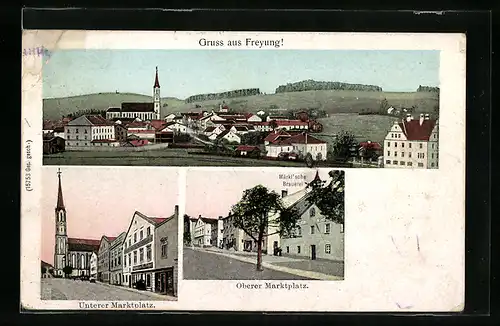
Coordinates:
<point>157,83</point>
<point>317,178</point>
<point>60,201</point>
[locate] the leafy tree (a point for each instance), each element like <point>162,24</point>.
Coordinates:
<point>328,196</point>
<point>384,105</point>
<point>342,145</point>
<point>259,210</point>
<point>67,270</point>
<point>44,270</point>
<point>187,238</point>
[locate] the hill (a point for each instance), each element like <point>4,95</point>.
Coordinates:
<point>54,108</point>
<point>331,101</point>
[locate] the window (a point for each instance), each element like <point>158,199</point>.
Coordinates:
<point>388,144</point>
<point>409,163</point>
<point>432,164</point>
<point>148,231</point>
<point>86,131</point>
<point>432,155</point>
<point>402,163</point>
<point>135,256</point>
<point>141,235</point>
<point>76,137</point>
<point>327,228</point>
<point>399,135</point>
<point>420,165</point>
<point>287,249</point>
<point>409,155</point>
<point>341,228</point>
<point>135,237</point>
<point>125,262</point>
<point>148,280</point>
<point>119,260</point>
<point>129,242</point>
<point>421,145</point>
<point>164,250</point>
<point>388,153</point>
<point>76,130</point>
<point>312,229</point>
<point>395,162</point>
<point>299,231</point>
<point>130,259</point>
<point>298,249</point>
<point>403,145</point>
<point>312,212</point>
<point>328,248</point>
<point>432,146</point>
<point>141,255</point>
<point>395,144</point>
<point>402,154</point>
<point>409,145</point>
<point>148,252</point>
<point>395,154</point>
<point>387,161</point>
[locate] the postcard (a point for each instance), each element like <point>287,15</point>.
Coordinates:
<point>242,171</point>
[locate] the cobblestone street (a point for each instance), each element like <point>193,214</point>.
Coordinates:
<point>66,289</point>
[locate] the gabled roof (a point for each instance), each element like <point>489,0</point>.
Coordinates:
<point>114,110</point>
<point>138,107</point>
<point>247,148</point>
<point>370,145</point>
<point>90,120</point>
<point>414,131</point>
<point>273,136</point>
<point>209,129</point>
<point>301,138</point>
<point>45,264</point>
<point>75,244</point>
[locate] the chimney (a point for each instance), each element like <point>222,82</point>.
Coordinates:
<point>421,118</point>
<point>427,116</point>
<point>284,193</point>
<point>176,211</point>
<point>409,117</point>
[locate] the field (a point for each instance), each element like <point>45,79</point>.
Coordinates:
<point>168,157</point>
<point>364,127</point>
<point>329,100</point>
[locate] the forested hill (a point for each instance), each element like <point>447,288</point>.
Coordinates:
<point>223,95</point>
<point>313,85</point>
<point>428,89</point>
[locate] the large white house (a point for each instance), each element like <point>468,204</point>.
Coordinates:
<point>90,130</point>
<point>303,143</point>
<point>207,232</point>
<point>412,143</point>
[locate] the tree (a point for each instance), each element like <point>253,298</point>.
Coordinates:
<point>328,196</point>
<point>187,238</point>
<point>259,210</point>
<point>67,270</point>
<point>342,145</point>
<point>384,105</point>
<point>44,270</point>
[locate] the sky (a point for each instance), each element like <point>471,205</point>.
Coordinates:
<point>189,72</point>
<point>211,194</point>
<point>101,201</point>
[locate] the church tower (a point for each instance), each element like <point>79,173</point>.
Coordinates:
<point>61,243</point>
<point>156,97</point>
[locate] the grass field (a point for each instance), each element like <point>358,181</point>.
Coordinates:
<point>364,127</point>
<point>329,100</point>
<point>168,157</point>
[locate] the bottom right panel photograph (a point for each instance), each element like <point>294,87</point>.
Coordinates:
<point>264,225</point>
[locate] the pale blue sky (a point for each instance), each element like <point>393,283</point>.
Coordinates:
<point>188,72</point>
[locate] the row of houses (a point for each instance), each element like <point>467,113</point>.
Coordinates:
<point>146,251</point>
<point>313,237</point>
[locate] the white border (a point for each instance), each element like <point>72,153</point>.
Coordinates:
<point>380,204</point>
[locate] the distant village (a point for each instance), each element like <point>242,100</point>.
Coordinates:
<point>256,135</point>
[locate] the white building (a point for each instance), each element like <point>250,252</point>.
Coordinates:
<point>253,118</point>
<point>207,232</point>
<point>93,265</point>
<point>175,127</point>
<point>282,124</point>
<point>90,130</point>
<point>170,117</point>
<point>139,250</point>
<point>143,111</point>
<point>412,143</point>
<point>229,136</point>
<point>303,143</point>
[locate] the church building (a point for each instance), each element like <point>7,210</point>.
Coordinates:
<point>72,252</point>
<point>145,111</point>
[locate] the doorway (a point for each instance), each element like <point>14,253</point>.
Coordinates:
<point>313,252</point>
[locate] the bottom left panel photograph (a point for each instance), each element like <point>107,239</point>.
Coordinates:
<point>109,234</point>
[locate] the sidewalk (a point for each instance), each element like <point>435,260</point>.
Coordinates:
<point>300,267</point>
<point>145,292</point>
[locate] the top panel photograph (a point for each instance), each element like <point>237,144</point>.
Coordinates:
<point>314,108</point>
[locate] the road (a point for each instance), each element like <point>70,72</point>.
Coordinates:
<point>208,266</point>
<point>66,289</point>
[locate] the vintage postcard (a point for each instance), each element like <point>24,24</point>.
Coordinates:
<point>230,171</point>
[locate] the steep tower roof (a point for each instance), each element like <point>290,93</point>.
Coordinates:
<point>60,201</point>
<point>317,178</point>
<point>157,82</point>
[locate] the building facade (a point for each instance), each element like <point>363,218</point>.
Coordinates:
<point>208,232</point>
<point>74,253</point>
<point>93,265</point>
<point>412,143</point>
<point>301,144</point>
<point>116,259</point>
<point>166,259</point>
<point>145,111</point>
<point>103,268</point>
<point>90,130</point>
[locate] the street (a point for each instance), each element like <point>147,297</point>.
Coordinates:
<point>66,289</point>
<point>208,266</point>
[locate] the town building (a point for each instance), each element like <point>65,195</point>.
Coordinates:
<point>412,143</point>
<point>93,265</point>
<point>166,267</point>
<point>208,232</point>
<point>139,249</point>
<point>271,125</point>
<point>53,145</point>
<point>314,236</point>
<point>103,268</point>
<point>300,144</point>
<point>90,130</point>
<point>232,237</point>
<point>72,252</point>
<point>143,111</point>
<point>47,270</point>
<point>115,260</point>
